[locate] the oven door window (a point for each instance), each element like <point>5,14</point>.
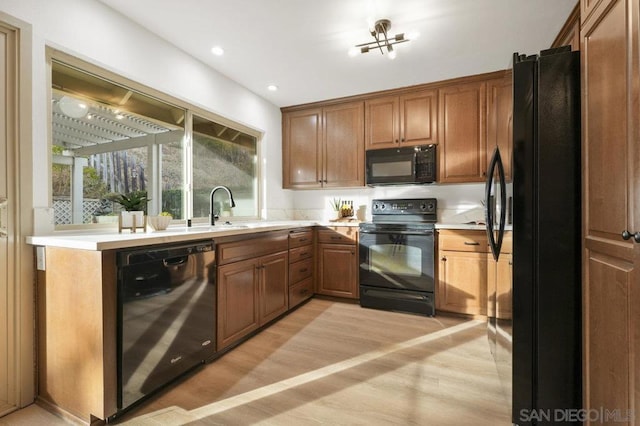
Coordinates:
<point>397,260</point>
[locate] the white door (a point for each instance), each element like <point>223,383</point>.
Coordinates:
<point>16,265</point>
<point>6,59</point>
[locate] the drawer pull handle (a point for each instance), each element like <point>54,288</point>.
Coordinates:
<point>304,269</point>
<point>304,291</point>
<point>336,238</point>
<point>473,243</point>
<point>303,239</point>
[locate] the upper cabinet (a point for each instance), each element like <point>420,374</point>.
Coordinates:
<point>462,134</point>
<point>500,120</point>
<point>569,35</point>
<point>323,147</point>
<point>301,149</point>
<point>324,143</point>
<point>405,120</point>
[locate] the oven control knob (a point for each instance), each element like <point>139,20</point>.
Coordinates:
<point>383,206</point>
<point>375,207</point>
<point>423,206</point>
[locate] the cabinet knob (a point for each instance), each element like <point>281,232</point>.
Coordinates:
<point>444,258</point>
<point>626,235</point>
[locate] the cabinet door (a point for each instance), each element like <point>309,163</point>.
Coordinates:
<point>337,270</point>
<point>343,148</point>
<point>238,301</point>
<point>611,185</point>
<point>462,282</point>
<point>500,120</point>
<point>586,8</point>
<point>274,288</point>
<point>382,127</point>
<point>461,126</point>
<point>418,118</point>
<point>301,149</point>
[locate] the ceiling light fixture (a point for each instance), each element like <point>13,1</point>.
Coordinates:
<point>217,50</point>
<point>72,107</point>
<point>382,41</point>
<point>272,87</point>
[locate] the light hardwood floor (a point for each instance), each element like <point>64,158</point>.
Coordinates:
<point>336,363</point>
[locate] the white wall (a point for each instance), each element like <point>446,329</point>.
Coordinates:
<point>93,32</point>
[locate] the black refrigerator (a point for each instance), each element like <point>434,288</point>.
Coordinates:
<point>539,344</point>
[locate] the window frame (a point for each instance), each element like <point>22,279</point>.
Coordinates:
<point>54,55</point>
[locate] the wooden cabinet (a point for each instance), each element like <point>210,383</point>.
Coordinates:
<point>338,262</point>
<point>323,147</point>
<point>586,9</point>
<point>611,204</point>
<point>406,120</point>
<point>462,273</point>
<point>570,32</point>
<point>302,149</point>
<point>500,121</point>
<point>301,266</point>
<point>252,285</point>
<point>462,132</point>
<point>76,300</point>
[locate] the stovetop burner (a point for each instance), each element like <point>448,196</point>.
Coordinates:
<point>405,210</point>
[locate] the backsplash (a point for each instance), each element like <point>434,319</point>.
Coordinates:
<point>458,203</point>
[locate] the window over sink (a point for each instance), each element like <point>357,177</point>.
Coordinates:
<point>113,136</point>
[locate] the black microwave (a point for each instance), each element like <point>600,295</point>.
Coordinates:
<point>400,166</point>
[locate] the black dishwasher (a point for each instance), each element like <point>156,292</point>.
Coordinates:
<point>166,315</point>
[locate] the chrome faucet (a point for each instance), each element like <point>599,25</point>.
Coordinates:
<point>213,191</point>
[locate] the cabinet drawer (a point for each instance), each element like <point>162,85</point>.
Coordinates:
<point>253,247</point>
<point>300,292</point>
<point>473,241</point>
<point>300,270</point>
<point>338,235</point>
<point>300,253</point>
<point>300,238</point>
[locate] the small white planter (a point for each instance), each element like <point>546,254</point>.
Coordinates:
<point>128,219</point>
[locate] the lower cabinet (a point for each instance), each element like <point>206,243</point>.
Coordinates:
<point>463,272</point>
<point>253,291</point>
<point>338,262</point>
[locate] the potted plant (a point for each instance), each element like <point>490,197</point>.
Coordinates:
<point>135,206</point>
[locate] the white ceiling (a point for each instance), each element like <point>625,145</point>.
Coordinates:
<point>301,45</point>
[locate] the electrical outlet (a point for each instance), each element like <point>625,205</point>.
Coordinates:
<point>40,258</point>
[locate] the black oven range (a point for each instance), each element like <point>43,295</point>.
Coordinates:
<point>397,256</point>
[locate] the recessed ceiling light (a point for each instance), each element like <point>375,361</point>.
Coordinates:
<point>272,87</point>
<point>119,116</point>
<point>217,50</point>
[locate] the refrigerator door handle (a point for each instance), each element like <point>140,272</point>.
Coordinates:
<point>495,165</point>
